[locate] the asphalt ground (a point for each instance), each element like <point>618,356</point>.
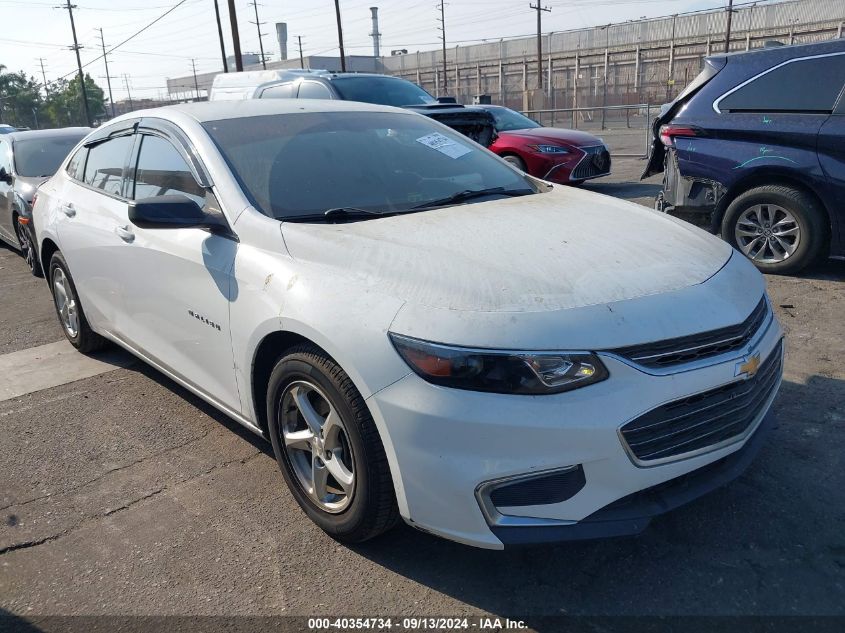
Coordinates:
<point>121,493</point>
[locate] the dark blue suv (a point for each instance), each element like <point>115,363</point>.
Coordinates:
<point>754,149</point>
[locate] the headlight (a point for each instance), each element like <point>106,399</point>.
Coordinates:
<point>549,149</point>
<point>499,371</point>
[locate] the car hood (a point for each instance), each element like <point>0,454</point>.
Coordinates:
<point>563,249</point>
<point>25,186</point>
<point>570,137</point>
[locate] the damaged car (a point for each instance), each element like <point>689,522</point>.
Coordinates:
<point>754,149</point>
<point>422,331</point>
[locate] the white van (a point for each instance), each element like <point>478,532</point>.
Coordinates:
<point>251,84</point>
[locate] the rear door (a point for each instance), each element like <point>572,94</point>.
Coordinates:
<point>178,282</point>
<point>92,209</point>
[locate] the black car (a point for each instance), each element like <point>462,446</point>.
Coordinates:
<point>754,149</point>
<point>27,159</point>
<point>476,123</point>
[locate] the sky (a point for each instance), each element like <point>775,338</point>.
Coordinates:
<point>165,49</point>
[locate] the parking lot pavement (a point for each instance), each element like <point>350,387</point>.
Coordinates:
<point>121,493</point>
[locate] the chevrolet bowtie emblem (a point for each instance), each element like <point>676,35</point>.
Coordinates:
<point>749,366</point>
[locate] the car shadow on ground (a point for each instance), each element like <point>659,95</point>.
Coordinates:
<point>769,543</point>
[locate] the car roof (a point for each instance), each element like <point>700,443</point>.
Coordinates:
<point>31,135</point>
<point>790,51</point>
<point>217,110</point>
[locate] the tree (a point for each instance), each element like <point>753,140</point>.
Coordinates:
<point>20,99</point>
<point>22,103</point>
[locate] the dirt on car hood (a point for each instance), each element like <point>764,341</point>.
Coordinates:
<point>563,249</point>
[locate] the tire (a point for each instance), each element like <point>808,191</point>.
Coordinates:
<point>348,512</point>
<point>77,330</point>
<point>801,235</point>
<point>516,161</point>
<point>27,249</point>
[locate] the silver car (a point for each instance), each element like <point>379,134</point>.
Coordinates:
<point>27,159</point>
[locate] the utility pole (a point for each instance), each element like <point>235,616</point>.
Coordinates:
<point>728,26</point>
<point>196,84</point>
<point>128,94</point>
<point>258,24</point>
<point>108,77</point>
<point>340,36</point>
<point>220,35</point>
<point>301,58</point>
<point>442,27</point>
<point>540,8</point>
<point>44,77</point>
<point>70,7</point>
<point>236,39</point>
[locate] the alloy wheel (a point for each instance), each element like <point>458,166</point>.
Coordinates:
<point>767,233</point>
<point>65,302</point>
<point>26,245</point>
<point>317,446</point>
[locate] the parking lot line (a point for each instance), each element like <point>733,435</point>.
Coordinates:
<point>51,365</point>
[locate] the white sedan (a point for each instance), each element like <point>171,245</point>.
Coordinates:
<point>421,330</point>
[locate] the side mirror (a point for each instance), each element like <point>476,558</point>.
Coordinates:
<point>174,212</point>
<point>5,176</point>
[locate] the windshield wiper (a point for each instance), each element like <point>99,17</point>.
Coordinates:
<point>339,213</point>
<point>469,194</point>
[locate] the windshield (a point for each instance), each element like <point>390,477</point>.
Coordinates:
<point>507,120</point>
<point>42,156</point>
<point>302,164</point>
<point>382,90</point>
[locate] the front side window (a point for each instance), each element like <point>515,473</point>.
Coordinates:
<point>104,167</point>
<point>42,156</point>
<point>5,162</point>
<point>295,165</point>
<point>313,90</point>
<point>390,91</point>
<point>161,171</point>
<point>808,85</point>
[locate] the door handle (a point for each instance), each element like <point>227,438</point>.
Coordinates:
<point>125,233</point>
<point>68,210</point>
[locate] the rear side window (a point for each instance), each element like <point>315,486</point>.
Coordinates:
<point>282,91</point>
<point>807,85</point>
<point>76,166</point>
<point>104,167</point>
<point>313,90</point>
<point>161,171</point>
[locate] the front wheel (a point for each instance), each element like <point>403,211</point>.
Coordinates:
<point>780,229</point>
<point>516,161</point>
<point>28,249</point>
<point>328,448</point>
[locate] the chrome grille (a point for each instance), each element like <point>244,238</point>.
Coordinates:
<point>684,349</point>
<point>595,163</point>
<point>705,419</point>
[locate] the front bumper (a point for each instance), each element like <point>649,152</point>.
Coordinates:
<point>447,443</point>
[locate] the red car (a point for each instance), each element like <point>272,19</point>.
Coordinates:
<point>551,153</point>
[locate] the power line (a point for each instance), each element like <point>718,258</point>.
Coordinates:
<point>108,77</point>
<point>258,24</point>
<point>540,8</point>
<point>70,7</point>
<point>340,36</point>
